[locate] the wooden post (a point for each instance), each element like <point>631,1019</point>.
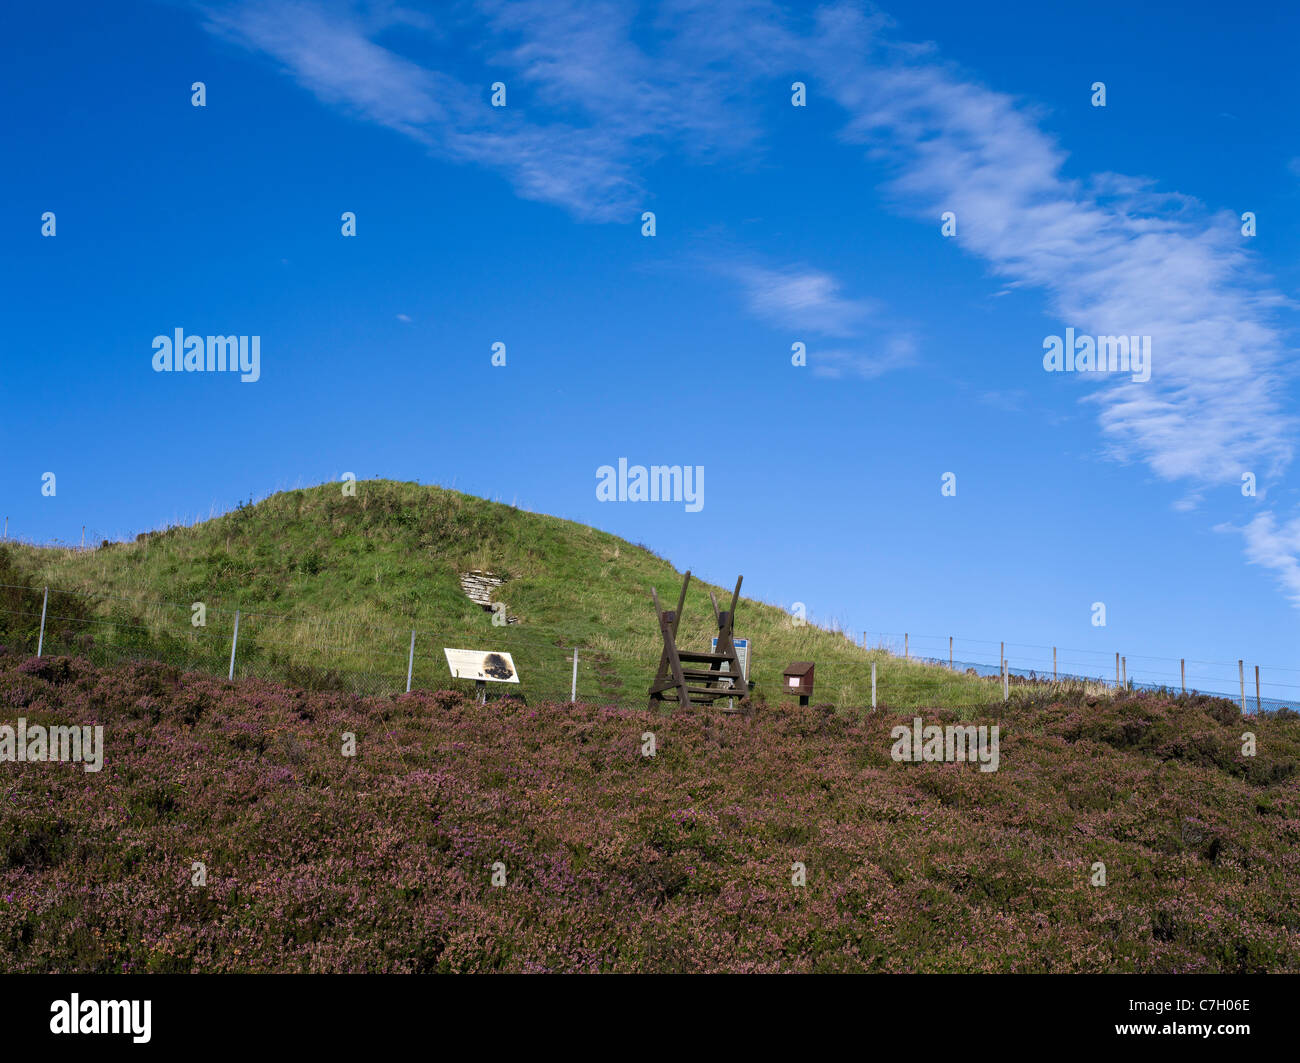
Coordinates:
<point>1006,682</point>
<point>864,642</point>
<point>573,692</point>
<point>950,668</point>
<point>681,602</point>
<point>1257,703</point>
<point>1124,671</point>
<point>83,536</point>
<point>1117,671</point>
<point>735,597</point>
<point>1182,667</point>
<point>905,652</point>
<point>40,642</point>
<point>670,662</point>
<point>233,643</point>
<point>1241,674</point>
<point>410,662</point>
<point>873,686</point>
<point>1053,664</point>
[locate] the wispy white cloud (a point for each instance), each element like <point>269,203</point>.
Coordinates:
<point>801,298</point>
<point>611,107</point>
<point>871,360</point>
<point>588,59</point>
<point>1011,401</point>
<point>1112,256</point>
<point>328,52</point>
<point>1276,547</point>
<point>809,305</point>
<point>331,51</point>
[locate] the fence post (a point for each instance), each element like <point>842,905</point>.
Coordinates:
<point>1053,664</point>
<point>1182,668</point>
<point>905,653</point>
<point>950,668</point>
<point>1006,683</point>
<point>1124,673</point>
<point>40,642</point>
<point>1257,704</point>
<point>233,643</point>
<point>1117,671</point>
<point>873,686</point>
<point>864,642</point>
<point>1241,674</point>
<point>573,693</point>
<point>410,662</point>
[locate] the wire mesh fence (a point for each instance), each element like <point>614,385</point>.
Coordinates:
<point>339,653</point>
<point>1253,687</point>
<point>316,653</point>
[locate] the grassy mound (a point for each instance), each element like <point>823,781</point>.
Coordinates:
<point>331,585</point>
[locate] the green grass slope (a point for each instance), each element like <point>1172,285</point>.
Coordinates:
<point>331,585</point>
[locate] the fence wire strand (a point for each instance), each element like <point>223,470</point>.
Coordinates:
<point>324,653</point>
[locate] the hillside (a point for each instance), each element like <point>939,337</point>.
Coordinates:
<point>615,861</point>
<point>354,575</point>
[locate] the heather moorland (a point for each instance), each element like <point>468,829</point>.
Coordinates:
<point>618,861</point>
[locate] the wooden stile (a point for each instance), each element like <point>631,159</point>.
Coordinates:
<point>675,679</point>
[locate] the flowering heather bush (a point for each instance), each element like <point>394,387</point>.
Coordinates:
<point>615,861</point>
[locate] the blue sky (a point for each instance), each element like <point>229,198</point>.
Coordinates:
<point>775,225</point>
